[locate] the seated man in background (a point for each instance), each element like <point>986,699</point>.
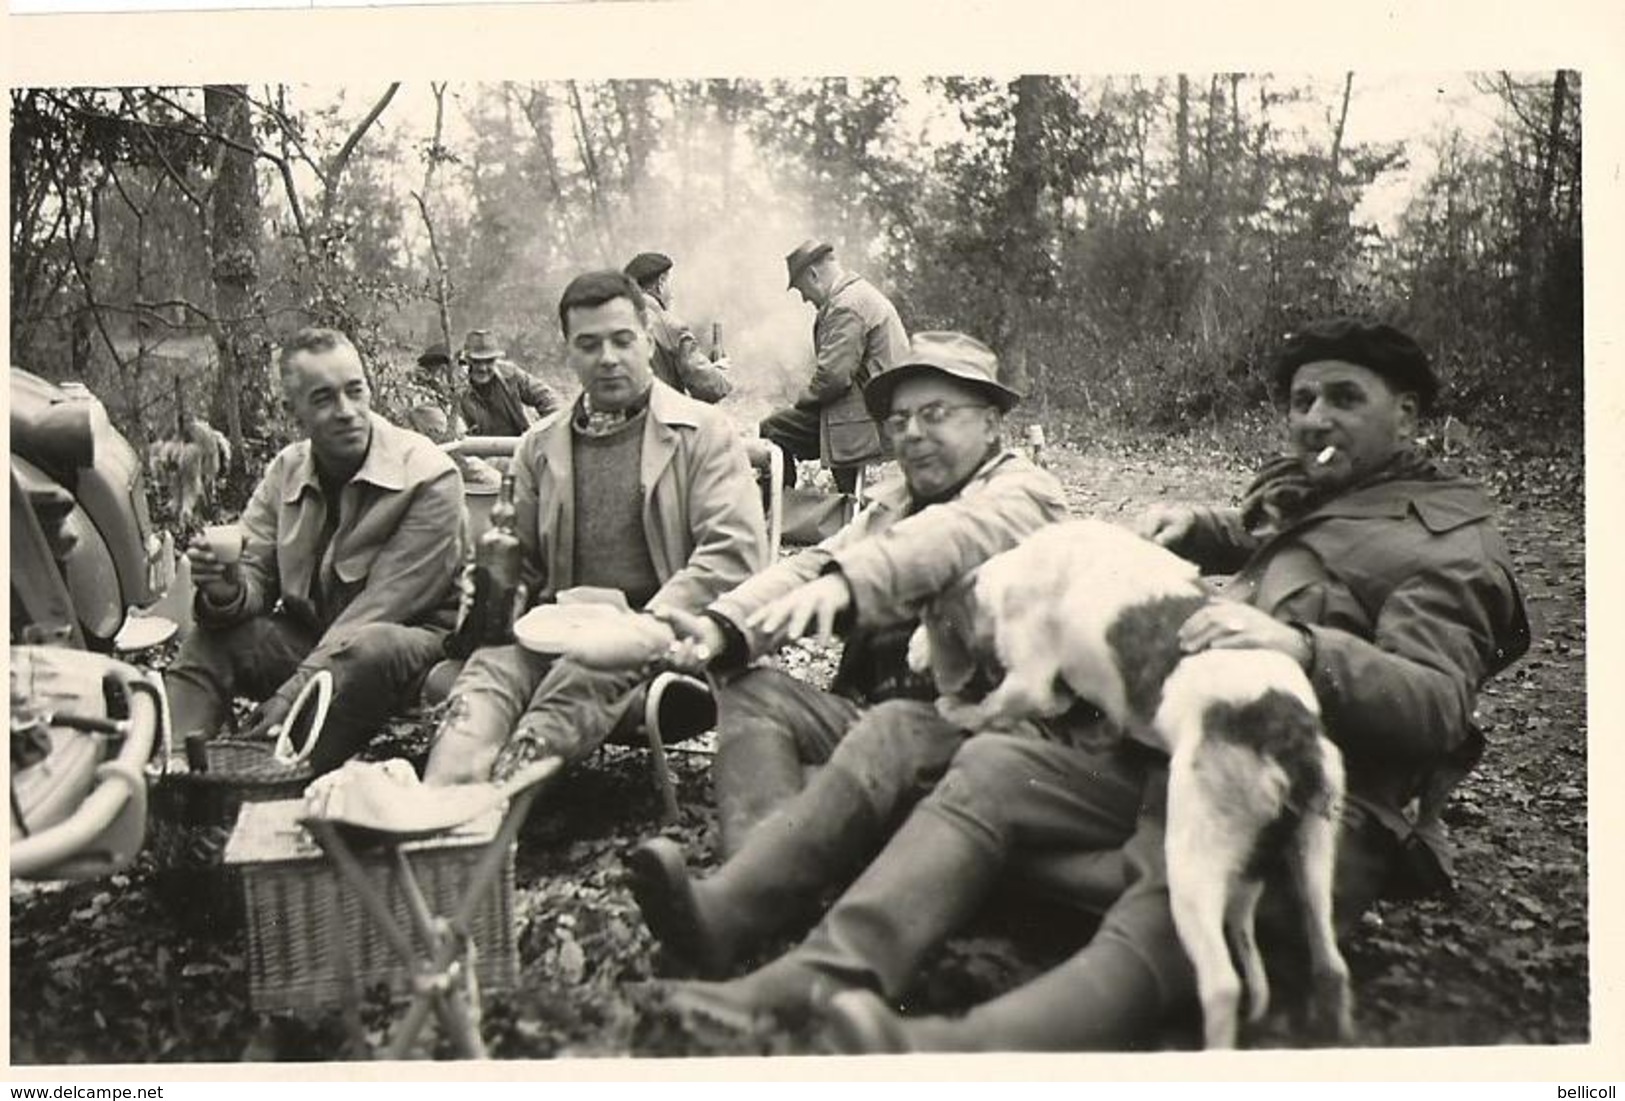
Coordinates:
<point>351,545</point>
<point>635,488</point>
<point>1381,574</point>
<point>678,361</point>
<point>964,496</point>
<point>431,410</point>
<point>498,391</point>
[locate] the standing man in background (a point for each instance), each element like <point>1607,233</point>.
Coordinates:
<point>498,391</point>
<point>856,335</point>
<point>677,359</point>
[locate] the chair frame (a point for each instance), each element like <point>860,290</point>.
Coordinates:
<point>441,985</point>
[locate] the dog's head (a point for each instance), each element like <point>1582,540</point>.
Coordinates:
<point>958,638</point>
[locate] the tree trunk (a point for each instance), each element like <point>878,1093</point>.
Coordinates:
<point>442,283</point>
<point>1335,158</point>
<point>243,400</point>
<point>1328,211</point>
<point>589,164</point>
<point>1182,124</point>
<point>1025,262</point>
<point>1541,219</point>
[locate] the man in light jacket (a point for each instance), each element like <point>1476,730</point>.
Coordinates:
<point>633,487</point>
<point>352,542</point>
<point>964,497</point>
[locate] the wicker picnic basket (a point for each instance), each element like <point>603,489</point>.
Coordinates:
<point>239,772</point>
<point>306,926</point>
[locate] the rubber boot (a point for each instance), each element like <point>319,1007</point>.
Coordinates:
<point>1103,999</point>
<point>755,772</point>
<point>926,883</point>
<point>817,842</point>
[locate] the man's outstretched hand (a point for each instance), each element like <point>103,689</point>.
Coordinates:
<point>814,605</point>
<point>699,639</point>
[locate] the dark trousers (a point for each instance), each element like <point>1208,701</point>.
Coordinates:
<point>1017,801</point>
<point>796,432</point>
<point>376,669</point>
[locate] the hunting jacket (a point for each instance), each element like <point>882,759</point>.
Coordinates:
<point>490,413</point>
<point>678,361</point>
<point>856,335</point>
<point>1408,598</point>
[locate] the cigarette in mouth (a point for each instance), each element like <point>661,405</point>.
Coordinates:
<point>1326,455</point>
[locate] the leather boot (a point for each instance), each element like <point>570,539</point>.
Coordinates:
<point>816,843</point>
<point>472,733</point>
<point>929,879</point>
<point>754,772</point>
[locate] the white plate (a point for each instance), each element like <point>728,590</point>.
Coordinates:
<point>142,632</point>
<point>551,628</point>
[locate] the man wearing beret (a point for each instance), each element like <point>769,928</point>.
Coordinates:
<point>963,497</point>
<point>1382,575</point>
<point>677,359</point>
<point>856,335</point>
<point>498,391</point>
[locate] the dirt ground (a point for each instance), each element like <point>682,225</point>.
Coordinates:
<point>145,967</point>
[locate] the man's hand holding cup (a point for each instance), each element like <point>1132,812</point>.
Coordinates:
<point>214,553</point>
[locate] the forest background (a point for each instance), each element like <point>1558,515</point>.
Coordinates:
<point>1133,246</point>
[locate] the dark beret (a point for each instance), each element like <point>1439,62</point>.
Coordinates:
<point>1376,347</point>
<point>646,265</point>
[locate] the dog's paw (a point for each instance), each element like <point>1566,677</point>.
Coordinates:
<point>962,713</point>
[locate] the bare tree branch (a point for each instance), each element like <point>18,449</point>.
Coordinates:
<point>336,166</point>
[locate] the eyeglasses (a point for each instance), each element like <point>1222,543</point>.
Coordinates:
<point>930,415</point>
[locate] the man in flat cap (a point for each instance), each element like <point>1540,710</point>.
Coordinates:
<point>677,359</point>
<point>856,336</point>
<point>963,497</point>
<point>1382,575</point>
<point>498,391</point>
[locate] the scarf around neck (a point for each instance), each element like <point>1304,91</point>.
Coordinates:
<point>1281,493</point>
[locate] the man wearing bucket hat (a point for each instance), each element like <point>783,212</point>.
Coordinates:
<point>677,359</point>
<point>498,391</point>
<point>963,497</point>
<point>1382,575</point>
<point>857,335</point>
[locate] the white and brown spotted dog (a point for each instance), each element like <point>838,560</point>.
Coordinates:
<point>1089,611</point>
